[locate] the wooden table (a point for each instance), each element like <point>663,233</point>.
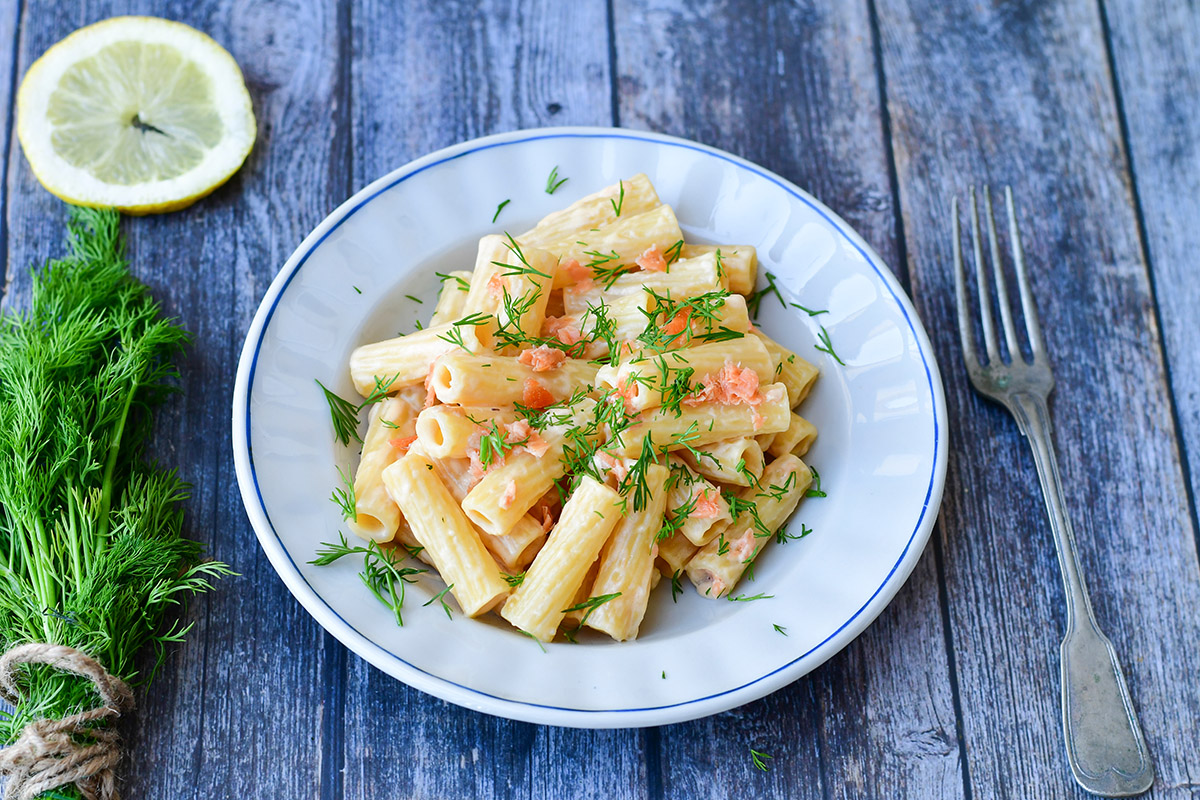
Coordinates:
<point>883,109</point>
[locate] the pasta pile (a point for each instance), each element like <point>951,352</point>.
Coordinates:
<point>590,409</point>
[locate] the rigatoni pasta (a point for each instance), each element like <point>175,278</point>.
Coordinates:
<point>591,405</point>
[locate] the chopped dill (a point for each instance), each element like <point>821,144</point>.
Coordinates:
<point>760,759</point>
<point>619,203</point>
<point>416,300</point>
<point>811,312</point>
<point>590,605</point>
<point>755,300</point>
<point>672,253</point>
<point>783,537</point>
<point>463,284</point>
<point>780,629</point>
<point>815,490</point>
<point>826,346</point>
<point>553,182</point>
<point>500,208</point>
<point>442,597</point>
<point>343,496</point>
<point>741,598</point>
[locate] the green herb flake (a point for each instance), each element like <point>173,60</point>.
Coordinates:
<point>619,203</point>
<point>760,759</point>
<point>814,490</point>
<point>442,597</point>
<point>553,182</point>
<point>826,346</point>
<point>500,208</point>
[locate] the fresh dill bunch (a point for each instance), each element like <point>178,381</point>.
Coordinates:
<point>91,548</point>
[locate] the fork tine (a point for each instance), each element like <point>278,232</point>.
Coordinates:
<point>1006,320</point>
<point>985,300</point>
<point>960,290</point>
<point>1028,307</point>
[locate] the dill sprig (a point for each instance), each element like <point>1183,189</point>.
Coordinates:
<point>343,496</point>
<point>522,267</point>
<point>590,605</point>
<point>442,597</point>
<point>619,203</point>
<point>760,759</point>
<point>826,346</point>
<point>755,300</point>
<point>672,253</point>
<point>814,489</point>
<point>553,182</point>
<point>382,573</point>
<point>463,284</point>
<point>344,415</point>
<point>91,548</point>
<point>812,312</point>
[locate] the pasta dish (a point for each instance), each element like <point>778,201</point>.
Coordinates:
<point>589,411</point>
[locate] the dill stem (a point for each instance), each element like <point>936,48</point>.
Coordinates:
<point>106,486</point>
<point>75,543</point>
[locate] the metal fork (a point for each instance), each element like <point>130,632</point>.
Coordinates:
<point>1105,746</point>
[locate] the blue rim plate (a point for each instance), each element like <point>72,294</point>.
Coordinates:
<point>881,415</point>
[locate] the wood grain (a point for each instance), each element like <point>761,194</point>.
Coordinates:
<point>1021,93</point>
<point>1154,47</point>
<point>793,87</point>
<point>239,710</point>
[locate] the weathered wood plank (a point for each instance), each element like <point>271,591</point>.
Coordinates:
<point>1154,49</point>
<point>1021,94</point>
<point>469,70</point>
<point>793,87</point>
<point>9,24</point>
<point>239,710</point>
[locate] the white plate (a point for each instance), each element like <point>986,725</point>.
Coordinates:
<point>881,450</point>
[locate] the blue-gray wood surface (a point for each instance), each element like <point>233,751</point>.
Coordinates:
<point>884,109</point>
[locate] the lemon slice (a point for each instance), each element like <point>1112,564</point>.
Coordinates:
<point>139,113</point>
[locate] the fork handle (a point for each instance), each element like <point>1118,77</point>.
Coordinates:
<point>1105,746</point>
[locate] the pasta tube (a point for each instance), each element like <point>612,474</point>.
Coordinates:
<point>468,379</point>
<point>447,536</point>
<point>618,243</point>
<point>791,370</point>
<point>405,360</point>
<point>452,298</point>
<point>515,549</point>
<point>685,278</point>
<point>392,420</point>
<point>706,423</point>
<point>696,508</point>
<point>446,431</point>
<point>799,436</point>
<point>739,263</point>
<point>559,228</point>
<point>738,461</point>
<point>643,378</point>
<point>719,565</point>
<point>539,604</point>
<point>627,562</point>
